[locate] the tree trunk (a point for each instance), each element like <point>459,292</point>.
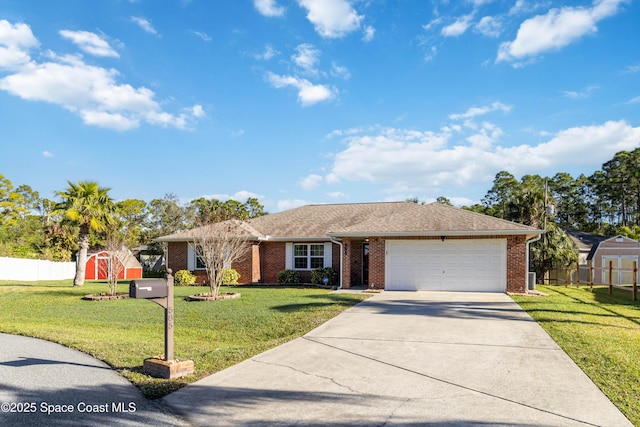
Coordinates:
<point>81,261</point>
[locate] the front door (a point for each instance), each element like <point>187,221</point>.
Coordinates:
<point>365,264</point>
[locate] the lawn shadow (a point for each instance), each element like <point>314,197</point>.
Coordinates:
<point>603,297</point>
<point>334,299</point>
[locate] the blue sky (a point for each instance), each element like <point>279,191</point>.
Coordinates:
<point>313,101</point>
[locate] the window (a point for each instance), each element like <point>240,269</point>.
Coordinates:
<point>308,256</point>
<point>200,265</point>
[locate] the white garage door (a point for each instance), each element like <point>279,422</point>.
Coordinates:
<point>449,265</point>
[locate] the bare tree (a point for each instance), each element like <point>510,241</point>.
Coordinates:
<point>115,264</point>
<point>218,246</point>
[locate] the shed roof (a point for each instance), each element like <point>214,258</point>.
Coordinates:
<point>618,242</point>
<point>124,255</point>
<point>320,222</point>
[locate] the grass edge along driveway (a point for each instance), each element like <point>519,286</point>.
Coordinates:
<point>601,333</point>
<point>122,333</point>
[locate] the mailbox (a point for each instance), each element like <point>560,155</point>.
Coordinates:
<point>148,289</point>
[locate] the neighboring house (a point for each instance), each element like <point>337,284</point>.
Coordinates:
<point>149,258</point>
<point>621,252</point>
<point>99,265</point>
<point>584,242</point>
<point>392,246</point>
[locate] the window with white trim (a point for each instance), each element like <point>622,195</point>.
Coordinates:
<point>308,256</point>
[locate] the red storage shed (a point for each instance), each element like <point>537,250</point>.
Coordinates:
<point>101,265</point>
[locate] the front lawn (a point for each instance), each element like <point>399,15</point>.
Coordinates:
<point>601,333</point>
<point>215,335</point>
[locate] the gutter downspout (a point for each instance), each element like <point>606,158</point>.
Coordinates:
<point>535,239</point>
<point>339,243</point>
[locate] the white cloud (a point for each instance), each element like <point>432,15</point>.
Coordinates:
<point>479,111</point>
<point>308,93</point>
<point>311,182</point>
<point>338,71</point>
<point>417,161</point>
<point>198,111</point>
<point>204,36</point>
<point>91,92</point>
<point>269,8</point>
<point>46,153</point>
<point>307,58</point>
<point>268,53</point>
<point>631,69</point>
<point>433,23</point>
<point>431,53</point>
<point>15,43</point>
<point>144,24</point>
<point>635,100</point>
<point>332,18</point>
<point>90,43</point>
<point>489,26</point>
<point>240,196</point>
<point>458,28</point>
<point>585,93</point>
<point>284,205</point>
<point>237,133</point>
<point>337,195</point>
<point>369,32</point>
<point>114,121</point>
<point>555,30</point>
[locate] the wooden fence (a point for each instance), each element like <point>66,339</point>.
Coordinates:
<point>585,274</point>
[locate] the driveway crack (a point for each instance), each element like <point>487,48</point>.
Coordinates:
<point>332,380</point>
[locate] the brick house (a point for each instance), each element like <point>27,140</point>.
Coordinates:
<point>392,246</point>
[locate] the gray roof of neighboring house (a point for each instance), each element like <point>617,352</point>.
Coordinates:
<point>317,222</point>
<point>583,240</point>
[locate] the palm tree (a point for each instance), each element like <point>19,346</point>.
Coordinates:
<point>89,207</point>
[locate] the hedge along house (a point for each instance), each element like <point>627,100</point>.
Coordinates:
<point>100,265</point>
<point>392,246</point>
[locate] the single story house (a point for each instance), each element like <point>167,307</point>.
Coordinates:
<point>100,265</point>
<point>621,253</point>
<point>584,241</point>
<point>392,246</point>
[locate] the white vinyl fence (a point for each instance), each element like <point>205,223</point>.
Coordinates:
<point>35,269</point>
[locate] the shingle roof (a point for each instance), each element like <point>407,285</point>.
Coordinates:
<point>583,240</point>
<point>373,219</point>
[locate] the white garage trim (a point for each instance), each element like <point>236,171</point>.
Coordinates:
<point>473,265</point>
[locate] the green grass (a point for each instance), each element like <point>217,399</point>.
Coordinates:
<point>215,335</point>
<point>601,333</point>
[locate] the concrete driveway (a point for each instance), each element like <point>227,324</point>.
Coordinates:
<point>407,358</point>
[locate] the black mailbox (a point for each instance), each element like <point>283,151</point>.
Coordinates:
<point>148,289</point>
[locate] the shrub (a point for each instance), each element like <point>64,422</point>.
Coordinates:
<point>318,275</point>
<point>154,274</point>
<point>288,277</point>
<point>230,276</point>
<point>184,278</point>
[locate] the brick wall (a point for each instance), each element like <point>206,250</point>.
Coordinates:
<point>177,256</point>
<point>273,258</point>
<point>347,245</point>
<point>376,263</point>
<point>516,264</point>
